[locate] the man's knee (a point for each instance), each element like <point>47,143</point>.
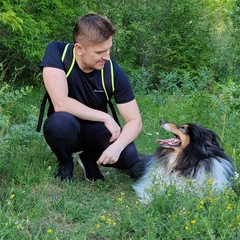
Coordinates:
<point>61,125</point>
<point>128,157</point>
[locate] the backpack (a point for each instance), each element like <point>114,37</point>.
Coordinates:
<point>107,74</point>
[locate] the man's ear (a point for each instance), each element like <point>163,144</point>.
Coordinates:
<point>78,48</point>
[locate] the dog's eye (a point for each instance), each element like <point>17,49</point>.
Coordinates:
<point>182,128</point>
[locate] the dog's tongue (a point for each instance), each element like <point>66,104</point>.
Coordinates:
<point>170,141</point>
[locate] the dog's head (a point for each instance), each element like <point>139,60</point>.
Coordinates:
<point>186,133</point>
<point>181,137</point>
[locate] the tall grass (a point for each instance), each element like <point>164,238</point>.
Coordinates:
<point>34,205</point>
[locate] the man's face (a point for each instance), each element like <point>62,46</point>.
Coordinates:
<point>93,56</point>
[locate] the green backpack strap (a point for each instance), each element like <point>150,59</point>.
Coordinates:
<point>108,86</point>
<point>68,58</point>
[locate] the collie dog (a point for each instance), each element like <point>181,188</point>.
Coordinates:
<point>193,155</point>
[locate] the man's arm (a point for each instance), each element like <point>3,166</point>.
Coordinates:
<point>56,84</point>
<point>130,131</point>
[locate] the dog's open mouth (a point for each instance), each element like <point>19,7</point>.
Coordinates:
<point>176,141</point>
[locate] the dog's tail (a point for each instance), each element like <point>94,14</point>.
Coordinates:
<point>140,167</point>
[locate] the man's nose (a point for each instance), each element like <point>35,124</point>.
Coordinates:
<point>106,55</point>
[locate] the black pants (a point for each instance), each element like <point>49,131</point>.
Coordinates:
<point>66,134</point>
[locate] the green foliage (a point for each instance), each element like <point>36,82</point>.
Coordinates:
<point>160,35</point>
<point>27,27</point>
<point>11,133</point>
<point>235,17</point>
<point>172,82</point>
<point>8,96</point>
<point>141,81</point>
<point>10,18</point>
<point>157,36</point>
<point>230,97</point>
<point>225,59</point>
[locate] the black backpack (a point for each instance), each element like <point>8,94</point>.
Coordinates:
<point>107,73</point>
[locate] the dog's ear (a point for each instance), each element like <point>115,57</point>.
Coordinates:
<point>196,133</point>
<point>200,134</point>
<point>213,138</point>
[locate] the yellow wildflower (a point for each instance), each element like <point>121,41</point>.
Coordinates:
<point>109,220</point>
<point>210,181</point>
<point>98,225</point>
<point>49,230</point>
<point>229,207</point>
<point>12,196</point>
<point>20,227</point>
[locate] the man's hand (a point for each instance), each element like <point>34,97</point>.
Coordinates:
<point>113,128</point>
<point>110,155</point>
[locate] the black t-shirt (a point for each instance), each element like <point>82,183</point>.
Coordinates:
<point>87,87</point>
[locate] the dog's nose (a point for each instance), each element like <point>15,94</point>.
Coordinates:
<point>162,121</point>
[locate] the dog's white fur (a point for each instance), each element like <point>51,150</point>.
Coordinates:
<point>156,175</point>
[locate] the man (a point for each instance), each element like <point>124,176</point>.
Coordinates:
<point>80,121</point>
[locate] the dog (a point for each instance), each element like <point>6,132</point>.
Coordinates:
<point>193,155</point>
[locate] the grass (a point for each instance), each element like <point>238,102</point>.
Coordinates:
<point>34,205</point>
